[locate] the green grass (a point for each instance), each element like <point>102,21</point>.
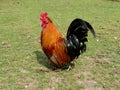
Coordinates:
<point>98,68</point>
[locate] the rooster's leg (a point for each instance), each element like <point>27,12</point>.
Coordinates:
<point>71,65</point>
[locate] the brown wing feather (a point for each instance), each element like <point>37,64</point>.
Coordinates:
<point>60,52</point>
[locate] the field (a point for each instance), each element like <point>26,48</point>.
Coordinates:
<point>21,54</point>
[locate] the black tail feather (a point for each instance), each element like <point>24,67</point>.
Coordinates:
<point>77,36</point>
<point>90,28</point>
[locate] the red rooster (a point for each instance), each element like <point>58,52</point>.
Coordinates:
<point>62,50</point>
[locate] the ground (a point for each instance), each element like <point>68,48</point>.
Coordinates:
<point>21,54</point>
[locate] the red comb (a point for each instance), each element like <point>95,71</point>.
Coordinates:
<point>43,15</point>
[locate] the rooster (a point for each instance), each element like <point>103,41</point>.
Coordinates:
<point>62,50</point>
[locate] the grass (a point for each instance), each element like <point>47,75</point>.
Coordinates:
<point>97,69</point>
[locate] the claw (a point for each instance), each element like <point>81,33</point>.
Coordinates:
<point>71,65</point>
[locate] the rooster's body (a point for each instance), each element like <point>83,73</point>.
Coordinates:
<point>62,50</point>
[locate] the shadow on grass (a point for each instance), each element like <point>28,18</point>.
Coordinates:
<point>42,59</point>
<point>114,0</point>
